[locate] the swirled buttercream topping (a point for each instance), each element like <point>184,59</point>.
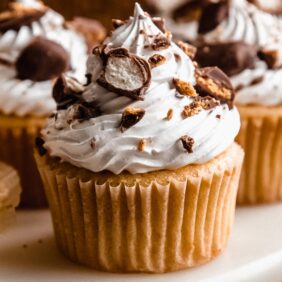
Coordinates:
<point>27,97</point>
<point>146,107</point>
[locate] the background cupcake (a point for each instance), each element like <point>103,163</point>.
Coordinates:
<point>9,194</point>
<point>140,166</point>
<point>35,47</point>
<point>246,43</point>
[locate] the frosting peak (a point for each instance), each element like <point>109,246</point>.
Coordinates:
<point>153,109</point>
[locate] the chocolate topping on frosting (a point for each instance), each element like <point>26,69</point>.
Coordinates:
<point>130,117</point>
<point>231,57</point>
<point>184,88</point>
<point>18,15</point>
<point>125,74</point>
<point>160,42</point>
<point>211,81</point>
<point>42,60</point>
<point>156,60</point>
<point>187,143</point>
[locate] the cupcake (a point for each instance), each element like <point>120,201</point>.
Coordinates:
<point>246,43</point>
<point>140,166</point>
<point>9,194</point>
<point>35,47</point>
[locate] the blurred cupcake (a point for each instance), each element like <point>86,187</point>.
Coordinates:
<point>246,43</point>
<point>140,166</point>
<point>35,47</point>
<point>9,194</point>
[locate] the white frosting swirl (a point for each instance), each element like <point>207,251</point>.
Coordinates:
<point>116,151</point>
<point>253,26</point>
<point>26,97</point>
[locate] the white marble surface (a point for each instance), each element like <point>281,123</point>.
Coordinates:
<point>28,253</point>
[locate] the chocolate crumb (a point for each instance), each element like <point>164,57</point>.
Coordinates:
<point>156,60</point>
<point>188,49</point>
<point>257,80</point>
<point>169,114</point>
<point>218,116</point>
<point>184,88</point>
<point>187,143</point>
<point>141,145</point>
<point>199,104</point>
<point>39,144</point>
<point>160,42</point>
<point>93,143</point>
<point>177,57</point>
<point>130,117</point>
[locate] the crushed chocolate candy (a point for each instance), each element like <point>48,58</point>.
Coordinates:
<point>160,42</point>
<point>93,143</point>
<point>160,23</point>
<point>272,57</point>
<point>187,143</point>
<point>231,57</point>
<point>156,60</point>
<point>117,23</point>
<point>81,112</point>
<point>130,117</point>
<point>213,13</point>
<point>18,15</point>
<point>42,60</point>
<point>125,74</point>
<point>212,81</point>
<point>184,88</point>
<point>169,114</point>
<point>66,92</point>
<point>199,104</point>
<point>141,145</point>
<point>93,31</point>
<point>39,144</point>
<point>218,116</point>
<point>188,49</point>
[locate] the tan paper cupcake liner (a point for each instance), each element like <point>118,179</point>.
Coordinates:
<point>261,138</point>
<point>17,135</point>
<point>156,222</point>
<point>9,194</point>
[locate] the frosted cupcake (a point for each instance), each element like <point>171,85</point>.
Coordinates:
<point>246,43</point>
<point>35,48</point>
<point>9,194</point>
<point>140,166</point>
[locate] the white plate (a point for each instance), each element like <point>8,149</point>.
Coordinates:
<point>28,253</point>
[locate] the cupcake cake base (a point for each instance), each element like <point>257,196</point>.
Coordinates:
<point>17,137</point>
<point>261,138</point>
<point>155,222</point>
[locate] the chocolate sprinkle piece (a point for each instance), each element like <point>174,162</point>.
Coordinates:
<point>271,57</point>
<point>156,60</point>
<point>141,145</point>
<point>169,114</point>
<point>42,60</point>
<point>125,74</point>
<point>188,49</point>
<point>187,143</point>
<point>160,42</point>
<point>184,88</point>
<point>18,16</point>
<point>213,13</point>
<point>231,57</point>
<point>39,143</point>
<point>212,81</point>
<point>130,117</point>
<point>66,92</point>
<point>199,104</point>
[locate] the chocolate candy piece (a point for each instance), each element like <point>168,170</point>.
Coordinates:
<point>188,49</point>
<point>160,42</point>
<point>231,57</point>
<point>81,112</point>
<point>66,92</point>
<point>187,143</point>
<point>125,74</point>
<point>42,60</point>
<point>156,60</point>
<point>212,81</point>
<point>213,13</point>
<point>184,88</point>
<point>130,117</point>
<point>18,16</point>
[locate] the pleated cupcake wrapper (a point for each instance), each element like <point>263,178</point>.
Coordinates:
<point>143,227</point>
<point>9,194</point>
<point>17,139</point>
<point>261,138</point>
